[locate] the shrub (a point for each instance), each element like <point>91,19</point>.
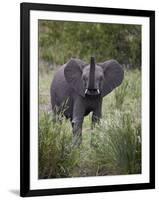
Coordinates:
<point>56,156</point>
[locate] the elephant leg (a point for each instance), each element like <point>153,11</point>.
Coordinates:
<point>97,113</point>
<point>77,120</point>
<point>95,120</point>
<point>77,134</point>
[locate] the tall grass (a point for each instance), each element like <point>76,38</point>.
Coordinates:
<point>119,147</point>
<point>56,156</point>
<point>116,140</point>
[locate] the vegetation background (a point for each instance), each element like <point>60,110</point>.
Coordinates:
<point>117,142</point>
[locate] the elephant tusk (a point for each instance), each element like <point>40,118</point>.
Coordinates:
<point>98,91</point>
<point>86,91</point>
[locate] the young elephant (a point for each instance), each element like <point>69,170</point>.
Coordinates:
<point>82,87</point>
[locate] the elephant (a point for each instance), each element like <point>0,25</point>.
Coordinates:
<point>82,87</point>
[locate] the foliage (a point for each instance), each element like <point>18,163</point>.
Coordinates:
<point>56,157</point>
<point>59,41</point>
<point>112,148</point>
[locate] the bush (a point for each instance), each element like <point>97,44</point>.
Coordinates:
<point>59,41</point>
<point>56,156</point>
<point>119,148</point>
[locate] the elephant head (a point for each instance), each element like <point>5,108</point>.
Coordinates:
<point>93,79</point>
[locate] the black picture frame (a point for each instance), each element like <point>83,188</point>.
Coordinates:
<point>25,9</point>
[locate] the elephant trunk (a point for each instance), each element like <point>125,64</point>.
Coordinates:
<point>92,74</point>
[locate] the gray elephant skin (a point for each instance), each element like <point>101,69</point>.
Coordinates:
<point>78,88</point>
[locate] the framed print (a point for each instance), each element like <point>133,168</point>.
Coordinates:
<point>87,99</point>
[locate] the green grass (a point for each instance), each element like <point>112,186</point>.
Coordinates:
<point>116,140</point>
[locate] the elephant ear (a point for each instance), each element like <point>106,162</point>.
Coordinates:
<point>113,76</point>
<point>73,74</point>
